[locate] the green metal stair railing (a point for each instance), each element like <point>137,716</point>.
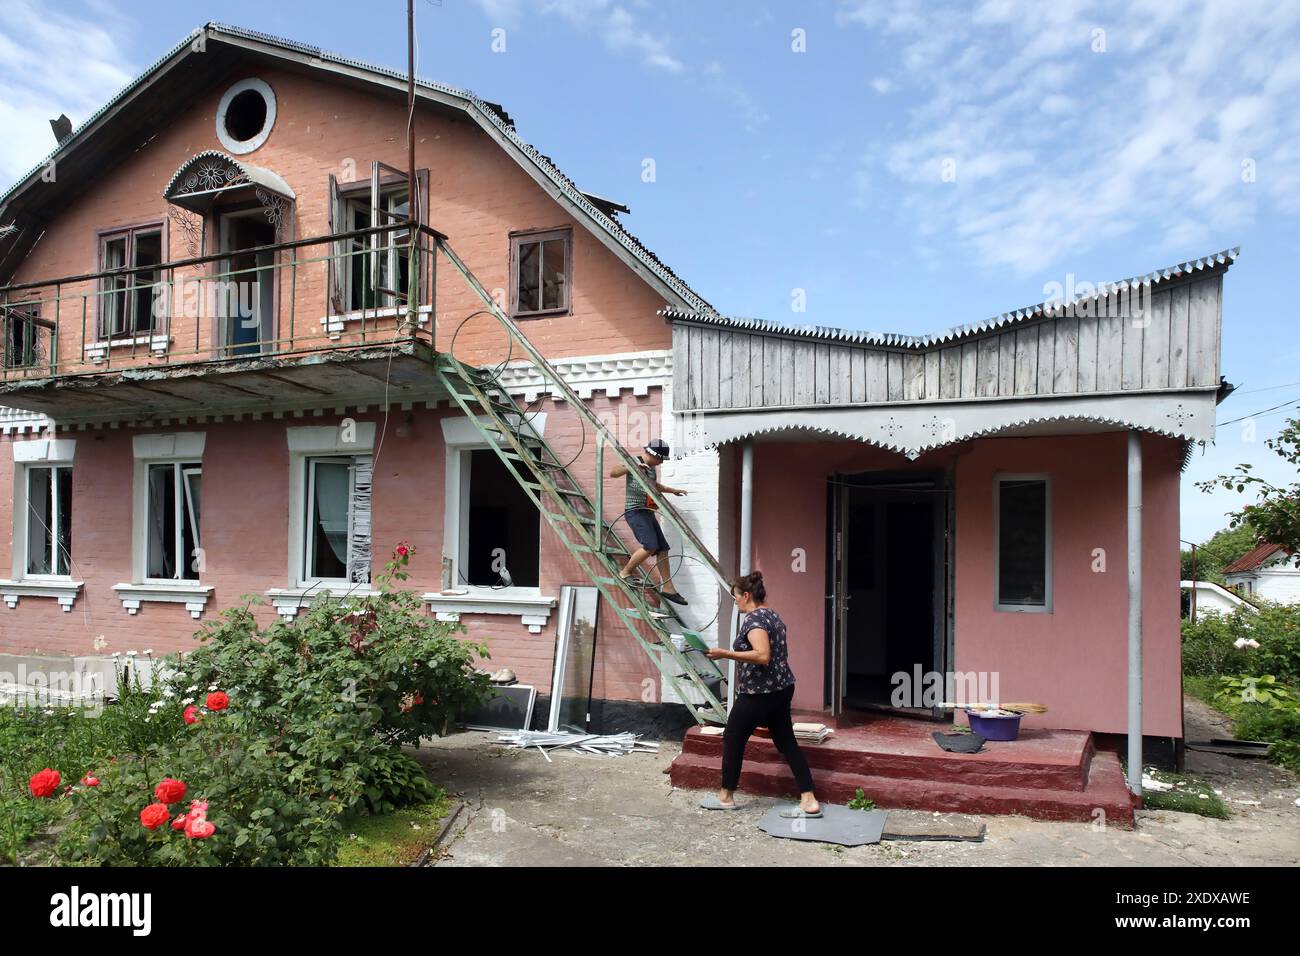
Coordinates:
<point>574,517</point>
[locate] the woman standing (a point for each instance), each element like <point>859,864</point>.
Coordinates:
<point>764,689</point>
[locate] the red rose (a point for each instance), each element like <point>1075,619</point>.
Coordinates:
<point>218,700</point>
<point>44,783</point>
<point>403,550</point>
<point>89,781</point>
<point>169,791</point>
<point>154,816</point>
<point>191,714</point>
<point>179,822</point>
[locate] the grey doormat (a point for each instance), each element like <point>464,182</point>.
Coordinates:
<point>837,825</point>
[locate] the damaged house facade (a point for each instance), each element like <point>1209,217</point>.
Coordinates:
<point>240,360</point>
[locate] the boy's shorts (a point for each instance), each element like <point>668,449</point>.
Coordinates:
<point>646,528</point>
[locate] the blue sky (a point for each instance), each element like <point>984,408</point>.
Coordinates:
<point>1099,140</point>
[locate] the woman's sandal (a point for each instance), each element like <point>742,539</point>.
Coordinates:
<point>711,802</point>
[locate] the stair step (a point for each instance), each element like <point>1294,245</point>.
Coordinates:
<point>1106,790</point>
<point>988,768</point>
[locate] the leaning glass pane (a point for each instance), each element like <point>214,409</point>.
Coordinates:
<point>40,529</point>
<point>63,492</point>
<point>329,520</point>
<point>160,533</point>
<point>192,477</point>
<point>554,293</point>
<point>529,293</point>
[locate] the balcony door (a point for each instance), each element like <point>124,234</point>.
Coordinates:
<point>248,295</point>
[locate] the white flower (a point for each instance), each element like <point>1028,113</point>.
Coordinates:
<point>212,687</point>
<point>130,654</point>
<point>1252,643</point>
<point>148,651</point>
<point>192,688</point>
<point>187,701</point>
<point>1239,643</point>
<point>116,654</point>
<point>168,692</point>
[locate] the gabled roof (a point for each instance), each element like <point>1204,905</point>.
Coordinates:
<point>595,215</point>
<point>1254,559</point>
<point>1215,262</point>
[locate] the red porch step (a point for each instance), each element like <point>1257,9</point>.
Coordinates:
<point>1047,774</point>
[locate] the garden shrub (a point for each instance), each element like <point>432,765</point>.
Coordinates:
<point>1209,645</point>
<point>343,685</point>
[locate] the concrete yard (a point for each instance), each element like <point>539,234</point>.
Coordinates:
<point>622,811</point>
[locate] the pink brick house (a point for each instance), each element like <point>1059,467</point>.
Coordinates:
<point>965,502</point>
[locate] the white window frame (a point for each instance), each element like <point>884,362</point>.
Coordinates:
<point>28,457</point>
<point>1046,606</point>
<point>37,453</point>
<point>348,440</point>
<point>170,448</point>
<point>183,510</point>
<point>305,577</point>
<point>461,437</point>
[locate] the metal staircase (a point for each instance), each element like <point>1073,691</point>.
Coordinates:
<point>576,518</point>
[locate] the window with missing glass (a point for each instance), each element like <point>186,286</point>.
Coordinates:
<point>172,521</point>
<point>49,519</point>
<point>127,298</point>
<point>336,546</point>
<point>540,272</point>
<point>1022,543</point>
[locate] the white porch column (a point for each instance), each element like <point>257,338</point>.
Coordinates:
<point>1135,612</point>
<point>746,557</point>
<point>747,507</point>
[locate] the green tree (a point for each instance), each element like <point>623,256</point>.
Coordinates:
<point>1275,515</point>
<point>1221,549</point>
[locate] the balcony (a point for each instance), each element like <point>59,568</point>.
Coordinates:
<point>321,321</point>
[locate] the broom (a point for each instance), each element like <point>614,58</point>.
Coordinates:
<point>1019,707</point>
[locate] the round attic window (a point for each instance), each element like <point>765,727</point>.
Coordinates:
<point>245,116</point>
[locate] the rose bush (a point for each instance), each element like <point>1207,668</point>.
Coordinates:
<point>339,688</point>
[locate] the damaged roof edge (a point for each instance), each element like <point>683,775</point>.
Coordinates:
<point>490,116</point>
<point>1215,263</point>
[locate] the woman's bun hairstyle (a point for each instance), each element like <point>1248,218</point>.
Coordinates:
<point>751,584</point>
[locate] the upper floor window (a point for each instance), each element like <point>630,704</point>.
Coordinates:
<point>540,270</point>
<point>1022,536</point>
<point>49,519</point>
<point>127,298</point>
<point>392,255</point>
<point>21,345</point>
<point>246,115</point>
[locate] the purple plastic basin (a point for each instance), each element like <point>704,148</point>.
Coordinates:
<point>994,728</point>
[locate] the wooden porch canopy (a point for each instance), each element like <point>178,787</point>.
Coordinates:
<point>1142,353</point>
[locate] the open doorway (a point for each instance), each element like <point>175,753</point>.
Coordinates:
<point>889,587</point>
<point>249,303</point>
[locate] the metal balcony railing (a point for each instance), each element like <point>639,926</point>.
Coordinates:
<point>287,298</point>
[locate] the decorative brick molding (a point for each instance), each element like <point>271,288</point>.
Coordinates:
<point>193,596</point>
<point>65,592</point>
<point>532,607</point>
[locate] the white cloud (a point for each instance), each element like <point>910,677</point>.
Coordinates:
<point>1058,148</point>
<point>882,84</point>
<point>39,49</point>
<point>619,29</point>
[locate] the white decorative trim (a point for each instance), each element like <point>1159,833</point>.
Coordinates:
<point>289,601</point>
<point>158,345</point>
<point>174,446</point>
<point>533,608</point>
<point>331,439</point>
<point>193,596</point>
<point>45,451</point>
<point>64,590</point>
<point>915,428</point>
<point>588,374</point>
<point>20,421</point>
<point>243,147</point>
<point>462,432</point>
<point>334,325</point>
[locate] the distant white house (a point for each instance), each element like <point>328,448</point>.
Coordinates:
<point>1211,598</point>
<point>1268,572</point>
